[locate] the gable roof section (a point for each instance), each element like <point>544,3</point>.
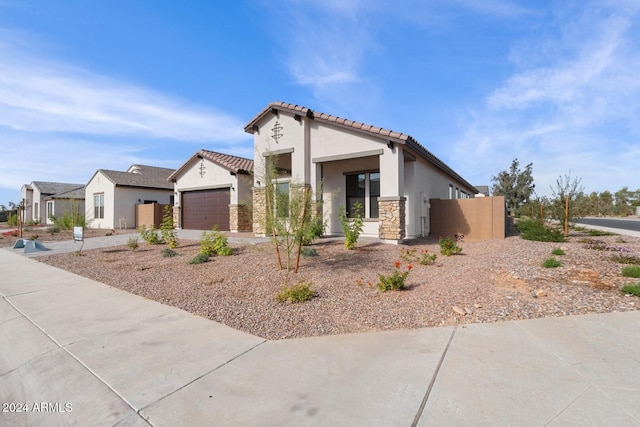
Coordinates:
<point>142,176</point>
<point>75,193</point>
<point>234,164</point>
<point>50,188</point>
<point>385,134</point>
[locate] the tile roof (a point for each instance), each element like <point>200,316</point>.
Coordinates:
<point>54,187</point>
<point>398,137</point>
<point>140,176</point>
<point>235,164</point>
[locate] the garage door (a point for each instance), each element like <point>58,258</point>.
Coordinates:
<point>203,209</point>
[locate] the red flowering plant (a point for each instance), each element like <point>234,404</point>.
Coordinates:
<point>426,258</point>
<point>394,281</point>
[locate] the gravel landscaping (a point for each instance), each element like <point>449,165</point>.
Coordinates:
<point>490,281</point>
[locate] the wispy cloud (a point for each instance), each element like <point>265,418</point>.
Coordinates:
<point>576,107</point>
<point>45,95</point>
<point>60,122</point>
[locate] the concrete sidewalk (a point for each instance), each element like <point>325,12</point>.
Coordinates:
<point>74,351</point>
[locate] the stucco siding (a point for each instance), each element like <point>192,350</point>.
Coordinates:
<point>126,200</point>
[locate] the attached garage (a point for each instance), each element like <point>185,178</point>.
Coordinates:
<point>213,189</point>
<point>204,209</point>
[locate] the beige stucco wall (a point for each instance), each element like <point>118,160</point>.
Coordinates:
<point>214,177</point>
<point>326,152</point>
<point>119,202</point>
<point>126,200</point>
<point>99,184</point>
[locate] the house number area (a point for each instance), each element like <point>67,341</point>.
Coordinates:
<point>36,407</point>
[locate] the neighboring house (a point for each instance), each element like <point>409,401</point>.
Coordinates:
<point>213,189</point>
<point>45,200</point>
<point>389,173</point>
<point>111,196</point>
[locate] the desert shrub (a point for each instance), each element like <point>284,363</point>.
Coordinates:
<point>631,271</point>
<point>633,289</point>
<point>307,252</point>
<point>352,227</point>
<point>214,243</point>
<point>12,220</point>
<point>557,251</point>
<point>594,244</point>
<point>426,258</point>
<point>551,263</point>
<point>313,229</point>
<point>169,253</point>
<point>448,246</point>
<point>301,292</point>
<point>69,220</point>
<point>597,233</point>
<point>199,258</point>
<point>395,281</point>
<point>132,243</point>
<point>166,228</point>
<point>150,235</point>
<point>622,258</point>
<point>531,229</point>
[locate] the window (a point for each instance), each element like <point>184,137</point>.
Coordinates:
<point>36,212</point>
<point>282,199</point>
<point>98,206</point>
<point>450,191</point>
<point>50,210</point>
<point>363,188</point>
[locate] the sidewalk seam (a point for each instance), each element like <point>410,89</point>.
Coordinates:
<point>77,360</point>
<point>433,380</point>
<point>202,376</point>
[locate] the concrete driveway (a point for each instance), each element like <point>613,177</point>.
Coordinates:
<point>78,352</point>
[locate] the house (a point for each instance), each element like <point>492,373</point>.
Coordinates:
<point>46,200</point>
<point>343,162</point>
<point>111,196</point>
<point>213,189</point>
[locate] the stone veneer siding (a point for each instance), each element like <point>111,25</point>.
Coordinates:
<point>259,211</point>
<point>239,218</point>
<point>391,218</point>
<point>176,217</point>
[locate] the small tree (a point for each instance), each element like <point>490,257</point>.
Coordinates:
<point>563,206</point>
<point>288,214</point>
<point>515,185</point>
<point>166,228</point>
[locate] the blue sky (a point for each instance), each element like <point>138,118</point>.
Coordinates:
<point>87,85</point>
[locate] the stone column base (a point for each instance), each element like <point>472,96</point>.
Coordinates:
<point>240,219</point>
<point>391,218</point>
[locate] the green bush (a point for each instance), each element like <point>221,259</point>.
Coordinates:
<point>12,220</point>
<point>199,259</point>
<point>149,235</point>
<point>395,281</point>
<point>631,271</point>
<point>352,227</point>
<point>531,229</point>
<point>301,292</point>
<point>307,252</point>
<point>312,230</point>
<point>551,263</point>
<point>169,253</point>
<point>633,289</point>
<point>214,243</point>
<point>448,246</point>
<point>557,251</point>
<point>68,221</point>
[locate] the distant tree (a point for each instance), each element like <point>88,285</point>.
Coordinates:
<point>515,185</point>
<point>564,206</point>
